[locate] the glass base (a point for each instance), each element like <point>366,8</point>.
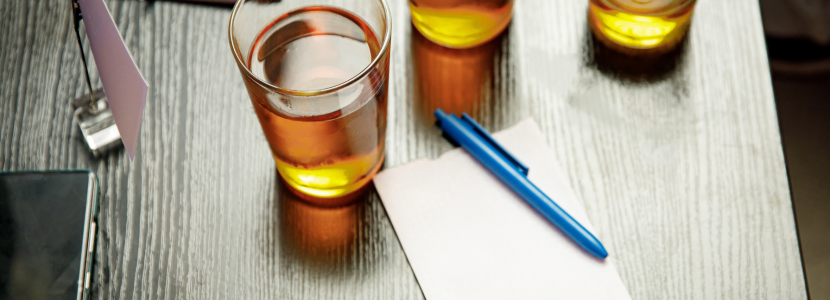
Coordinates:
<point>336,195</point>
<point>460,28</point>
<point>96,122</point>
<point>638,34</point>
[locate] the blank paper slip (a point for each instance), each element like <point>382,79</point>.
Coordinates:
<point>468,236</point>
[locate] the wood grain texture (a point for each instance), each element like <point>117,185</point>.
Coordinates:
<point>679,165</point>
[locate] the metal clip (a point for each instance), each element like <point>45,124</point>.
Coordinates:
<point>92,111</point>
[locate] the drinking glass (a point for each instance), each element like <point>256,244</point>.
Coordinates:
<point>317,74</point>
<point>460,23</point>
<point>640,26</point>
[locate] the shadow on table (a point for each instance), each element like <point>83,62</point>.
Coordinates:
<point>634,69</point>
<point>326,242</point>
<point>317,233</point>
<point>457,80</point>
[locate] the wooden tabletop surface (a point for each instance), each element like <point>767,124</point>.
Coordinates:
<point>678,161</point>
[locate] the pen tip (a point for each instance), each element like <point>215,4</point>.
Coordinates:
<point>601,252</point>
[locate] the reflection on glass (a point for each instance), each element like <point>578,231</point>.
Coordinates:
<point>640,26</point>
<point>455,80</point>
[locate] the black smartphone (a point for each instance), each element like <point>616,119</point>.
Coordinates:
<point>47,234</point>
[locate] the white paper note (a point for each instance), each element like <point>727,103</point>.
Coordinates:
<point>123,83</point>
<point>468,236</point>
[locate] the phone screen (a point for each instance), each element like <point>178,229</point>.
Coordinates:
<point>43,224</point>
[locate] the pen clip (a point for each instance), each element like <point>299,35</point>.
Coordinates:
<point>489,139</point>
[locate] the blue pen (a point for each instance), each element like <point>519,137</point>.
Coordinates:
<point>478,142</point>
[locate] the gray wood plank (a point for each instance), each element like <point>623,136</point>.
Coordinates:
<point>681,171</point>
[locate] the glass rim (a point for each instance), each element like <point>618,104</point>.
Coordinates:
<point>614,4</point>
<point>387,40</point>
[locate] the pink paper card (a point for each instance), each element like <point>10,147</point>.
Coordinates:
<point>124,85</point>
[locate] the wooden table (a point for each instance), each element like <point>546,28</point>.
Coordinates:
<point>678,163</point>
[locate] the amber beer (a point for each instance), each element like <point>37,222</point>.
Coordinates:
<point>322,110</point>
<point>640,26</point>
<point>460,23</point>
